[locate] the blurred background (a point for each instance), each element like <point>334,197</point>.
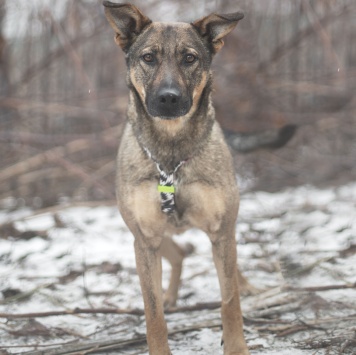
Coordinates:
<point>63,93</point>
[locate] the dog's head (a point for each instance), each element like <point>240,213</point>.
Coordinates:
<point>168,62</point>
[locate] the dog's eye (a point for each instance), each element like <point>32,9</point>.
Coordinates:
<point>148,58</point>
<point>190,58</point>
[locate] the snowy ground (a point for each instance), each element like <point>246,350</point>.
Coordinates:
<point>82,257</point>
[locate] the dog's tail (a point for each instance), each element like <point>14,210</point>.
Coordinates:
<point>269,139</point>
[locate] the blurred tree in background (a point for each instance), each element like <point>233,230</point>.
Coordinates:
<point>63,93</point>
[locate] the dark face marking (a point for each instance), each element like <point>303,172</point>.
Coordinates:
<point>168,65</point>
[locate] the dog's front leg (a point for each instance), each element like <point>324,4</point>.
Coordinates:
<point>149,268</point>
<point>225,255</point>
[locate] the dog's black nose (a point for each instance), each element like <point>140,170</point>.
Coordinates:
<point>168,102</point>
<point>169,98</point>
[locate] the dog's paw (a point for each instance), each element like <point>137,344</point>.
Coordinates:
<point>249,290</point>
<point>245,288</point>
<point>242,352</point>
<point>188,249</point>
<point>169,301</point>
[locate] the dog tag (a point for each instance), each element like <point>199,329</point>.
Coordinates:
<point>166,189</point>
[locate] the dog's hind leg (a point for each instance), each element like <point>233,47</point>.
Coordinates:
<point>175,255</point>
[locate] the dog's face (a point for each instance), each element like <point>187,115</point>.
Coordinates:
<point>168,69</point>
<point>168,62</point>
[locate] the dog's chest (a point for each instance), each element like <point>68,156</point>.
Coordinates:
<point>198,205</point>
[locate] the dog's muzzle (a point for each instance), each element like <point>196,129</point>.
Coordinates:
<point>168,103</point>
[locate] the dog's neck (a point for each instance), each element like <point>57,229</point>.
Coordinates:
<point>173,141</point>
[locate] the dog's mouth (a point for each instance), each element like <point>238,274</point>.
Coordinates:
<point>169,114</point>
<point>168,104</point>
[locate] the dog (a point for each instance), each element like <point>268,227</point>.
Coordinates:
<point>175,170</point>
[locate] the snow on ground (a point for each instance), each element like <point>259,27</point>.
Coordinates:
<point>82,257</point>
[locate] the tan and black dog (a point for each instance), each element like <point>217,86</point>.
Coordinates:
<point>175,170</point>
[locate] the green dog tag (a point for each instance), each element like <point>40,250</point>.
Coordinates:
<point>166,189</point>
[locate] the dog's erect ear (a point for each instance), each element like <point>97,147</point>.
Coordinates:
<point>127,21</point>
<point>214,27</point>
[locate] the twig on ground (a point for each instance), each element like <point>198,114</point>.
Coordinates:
<point>343,341</point>
<point>288,329</point>
<point>101,346</point>
<point>319,288</point>
<point>137,312</point>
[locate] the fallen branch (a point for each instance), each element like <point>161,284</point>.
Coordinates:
<point>105,345</point>
<point>343,341</point>
<point>282,330</point>
<point>292,330</point>
<point>275,310</point>
<point>54,154</point>
<point>137,312</point>
<point>319,288</point>
<point>83,174</point>
<point>71,312</point>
